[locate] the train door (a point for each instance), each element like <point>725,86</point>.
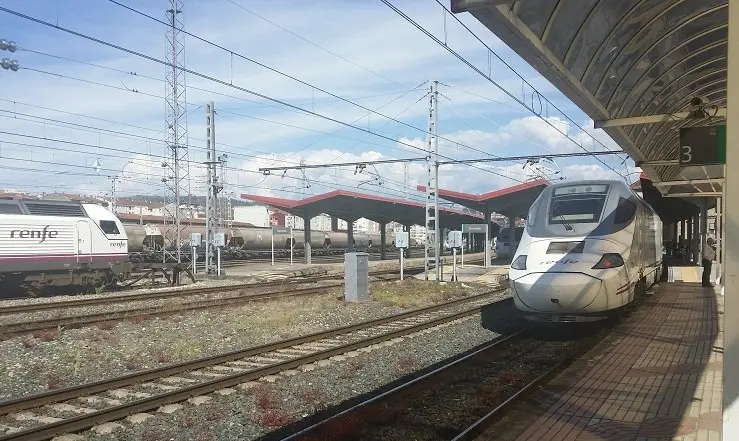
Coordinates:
<point>84,242</point>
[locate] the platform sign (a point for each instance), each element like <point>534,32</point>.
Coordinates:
<point>455,239</point>
<point>401,239</point>
<point>479,229</point>
<point>703,145</point>
<point>474,228</point>
<point>281,230</point>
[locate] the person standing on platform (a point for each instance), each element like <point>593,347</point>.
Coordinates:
<point>709,255</point>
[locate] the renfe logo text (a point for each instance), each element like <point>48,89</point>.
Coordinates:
<point>35,234</point>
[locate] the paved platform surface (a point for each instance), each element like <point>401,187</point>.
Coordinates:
<point>656,377</point>
<point>471,273</point>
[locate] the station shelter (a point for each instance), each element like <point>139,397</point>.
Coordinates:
<point>661,78</point>
<point>350,206</point>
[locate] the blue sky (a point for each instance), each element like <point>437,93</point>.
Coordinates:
<point>77,102</point>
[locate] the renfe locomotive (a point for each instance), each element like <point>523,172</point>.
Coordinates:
<point>60,243</point>
<point>589,247</point>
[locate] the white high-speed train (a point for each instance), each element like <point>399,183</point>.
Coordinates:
<point>589,247</point>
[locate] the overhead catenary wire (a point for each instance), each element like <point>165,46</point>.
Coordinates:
<point>270,68</point>
<point>234,86</point>
<point>487,77</point>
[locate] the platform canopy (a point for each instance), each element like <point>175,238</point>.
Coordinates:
<point>350,206</point>
<point>633,66</point>
<point>511,201</point>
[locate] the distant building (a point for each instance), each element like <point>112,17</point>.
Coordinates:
<point>139,207</point>
<point>257,215</point>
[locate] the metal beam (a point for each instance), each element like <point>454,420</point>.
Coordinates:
<point>707,194</point>
<point>690,182</point>
<point>658,163</point>
<point>266,170</point>
<point>360,164</point>
<point>534,157</point>
<point>653,119</point>
<point>459,6</point>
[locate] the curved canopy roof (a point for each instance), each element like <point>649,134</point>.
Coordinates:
<point>511,201</point>
<point>626,58</point>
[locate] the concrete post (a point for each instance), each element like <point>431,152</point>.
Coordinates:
<point>703,228</point>
<point>349,235</point>
<point>407,251</point>
<point>731,235</point>
<point>512,237</point>
<point>306,237</point>
<point>334,223</point>
<point>486,248</point>
<point>383,240</point>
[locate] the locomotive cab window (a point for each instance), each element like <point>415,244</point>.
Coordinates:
<point>625,211</point>
<point>109,227</point>
<point>577,204</point>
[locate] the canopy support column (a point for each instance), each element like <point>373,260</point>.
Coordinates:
<point>731,235</point>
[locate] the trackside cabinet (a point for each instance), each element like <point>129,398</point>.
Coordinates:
<point>356,277</point>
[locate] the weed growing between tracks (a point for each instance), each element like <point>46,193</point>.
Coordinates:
<point>109,349</point>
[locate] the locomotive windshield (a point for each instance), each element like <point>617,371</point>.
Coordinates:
<point>577,204</point>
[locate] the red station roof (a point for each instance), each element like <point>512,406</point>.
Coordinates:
<point>351,205</point>
<point>511,201</point>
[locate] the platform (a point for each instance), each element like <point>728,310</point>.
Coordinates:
<point>658,376</point>
<point>266,271</point>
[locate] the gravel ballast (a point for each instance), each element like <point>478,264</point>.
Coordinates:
<point>262,407</point>
<point>58,358</point>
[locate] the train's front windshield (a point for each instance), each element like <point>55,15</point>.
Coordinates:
<point>577,204</point>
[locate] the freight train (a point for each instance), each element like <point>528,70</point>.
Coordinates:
<point>142,238</point>
<point>588,249</point>
<point>63,243</point>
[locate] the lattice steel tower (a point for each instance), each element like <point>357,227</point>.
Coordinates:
<point>177,168</point>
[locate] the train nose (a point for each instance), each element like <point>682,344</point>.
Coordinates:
<point>558,292</point>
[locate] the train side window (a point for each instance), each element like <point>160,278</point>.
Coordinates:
<point>625,211</point>
<point>109,227</point>
<point>12,208</point>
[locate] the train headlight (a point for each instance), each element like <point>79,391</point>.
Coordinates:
<point>609,260</point>
<point>519,263</point>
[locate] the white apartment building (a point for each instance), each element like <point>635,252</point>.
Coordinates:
<point>323,223</point>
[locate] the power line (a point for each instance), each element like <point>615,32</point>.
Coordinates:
<point>150,155</point>
<point>136,74</point>
<point>487,77</point>
<point>314,44</point>
<point>234,86</point>
<point>277,71</point>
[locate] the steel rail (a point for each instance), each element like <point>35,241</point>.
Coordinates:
<point>76,321</point>
<point>475,428</point>
<point>405,385</point>
<point>82,422</point>
<point>32,307</point>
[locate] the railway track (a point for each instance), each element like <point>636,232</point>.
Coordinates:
<point>168,293</point>
<point>87,319</point>
<point>455,401</point>
<point>81,407</point>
